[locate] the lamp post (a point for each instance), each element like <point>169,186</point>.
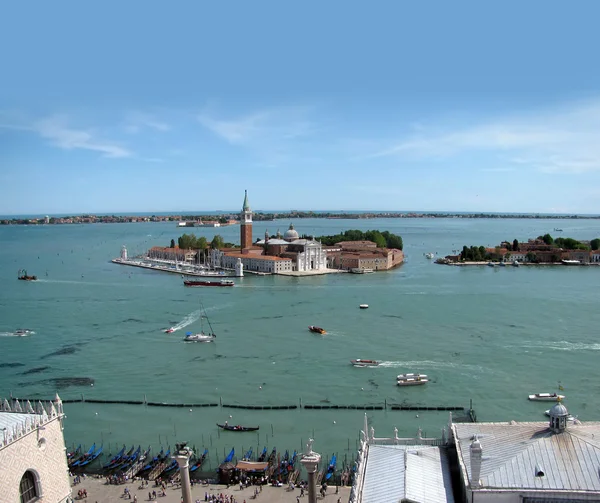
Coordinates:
<point>310,460</point>
<point>182,456</point>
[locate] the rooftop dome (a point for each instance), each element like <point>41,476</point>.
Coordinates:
<point>291,234</point>
<point>558,410</point>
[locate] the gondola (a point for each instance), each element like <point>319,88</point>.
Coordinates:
<point>237,427</point>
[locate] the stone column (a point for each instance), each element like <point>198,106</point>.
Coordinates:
<point>310,460</point>
<point>183,460</point>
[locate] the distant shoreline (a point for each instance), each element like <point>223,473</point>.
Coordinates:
<point>265,217</point>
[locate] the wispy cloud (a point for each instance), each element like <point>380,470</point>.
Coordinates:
<point>557,141</point>
<point>136,121</point>
<point>55,130</point>
<point>268,132</point>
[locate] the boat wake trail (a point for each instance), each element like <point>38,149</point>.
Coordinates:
<point>562,345</point>
<point>423,364</point>
<point>188,320</point>
<point>13,334</point>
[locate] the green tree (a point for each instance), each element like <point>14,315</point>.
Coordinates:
<point>595,244</point>
<point>217,242</point>
<point>530,257</point>
<point>548,239</point>
<point>172,243</point>
<point>515,246</point>
<point>201,243</point>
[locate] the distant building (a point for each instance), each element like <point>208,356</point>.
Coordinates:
<point>33,464</point>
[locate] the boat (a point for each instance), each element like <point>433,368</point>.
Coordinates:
<point>491,264</point>
<point>364,363</point>
<point>22,275</point>
<point>411,376</point>
<point>516,263</point>
<point>429,255</point>
<point>557,230</point>
<point>570,262</point>
<point>262,456</point>
<point>116,458</point>
<point>74,454</point>
<point>201,336</point>
<point>225,282</point>
<point>412,381</point>
<point>91,458</point>
<point>23,331</point>
<point>546,397</point>
<point>229,456</point>
<point>364,306</point>
<point>199,461</point>
<point>570,418</point>
<point>317,330</point>
<point>237,427</point>
<point>501,264</point>
<point>331,468</point>
<point>248,455</point>
<point>170,330</point>
<point>79,460</point>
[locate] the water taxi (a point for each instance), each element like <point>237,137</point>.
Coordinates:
<point>364,363</point>
<point>546,397</point>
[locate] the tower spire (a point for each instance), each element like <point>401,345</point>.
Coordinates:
<point>246,206</point>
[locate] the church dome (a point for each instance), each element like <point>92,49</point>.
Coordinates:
<point>291,234</point>
<point>559,410</point>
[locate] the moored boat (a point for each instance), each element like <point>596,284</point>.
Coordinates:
<point>364,306</point>
<point>546,397</point>
<point>364,363</point>
<point>317,330</point>
<point>225,282</point>
<point>237,427</point>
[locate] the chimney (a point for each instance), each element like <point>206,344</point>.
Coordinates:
<point>475,463</point>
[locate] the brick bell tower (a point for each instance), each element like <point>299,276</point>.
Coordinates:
<point>246,224</point>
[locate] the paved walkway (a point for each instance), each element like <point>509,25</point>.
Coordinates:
<point>100,492</point>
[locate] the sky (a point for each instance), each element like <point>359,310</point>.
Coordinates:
<point>144,106</point>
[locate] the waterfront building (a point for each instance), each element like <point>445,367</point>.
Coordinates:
<point>362,255</point>
<point>33,463</point>
<point>533,462</point>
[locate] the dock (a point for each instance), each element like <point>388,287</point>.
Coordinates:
<point>173,268</point>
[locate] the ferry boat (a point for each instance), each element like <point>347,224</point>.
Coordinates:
<point>546,397</point>
<point>364,363</point>
<point>415,380</point>
<point>225,282</point>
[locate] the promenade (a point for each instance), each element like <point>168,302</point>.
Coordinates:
<point>100,492</point>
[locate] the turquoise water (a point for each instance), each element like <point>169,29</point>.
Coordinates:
<point>490,335</point>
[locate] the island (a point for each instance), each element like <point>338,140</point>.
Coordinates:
<point>544,250</point>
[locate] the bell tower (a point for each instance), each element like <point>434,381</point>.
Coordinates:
<point>246,224</point>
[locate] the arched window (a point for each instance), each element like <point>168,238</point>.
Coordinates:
<point>28,487</point>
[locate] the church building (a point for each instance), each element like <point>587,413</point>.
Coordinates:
<point>274,255</point>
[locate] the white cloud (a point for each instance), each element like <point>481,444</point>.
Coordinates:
<point>270,133</point>
<point>557,141</point>
<point>59,134</point>
<point>136,121</point>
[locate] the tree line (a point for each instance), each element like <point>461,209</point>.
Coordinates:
<point>383,239</point>
<point>193,242</point>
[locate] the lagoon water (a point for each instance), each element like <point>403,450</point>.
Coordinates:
<point>490,335</point>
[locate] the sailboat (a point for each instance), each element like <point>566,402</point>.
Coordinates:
<point>201,336</point>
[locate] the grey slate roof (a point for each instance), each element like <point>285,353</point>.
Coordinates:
<point>511,451</point>
<point>395,473</point>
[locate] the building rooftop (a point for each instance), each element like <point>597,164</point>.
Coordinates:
<point>415,473</point>
<point>531,456</point>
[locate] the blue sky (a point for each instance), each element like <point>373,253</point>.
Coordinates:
<point>154,106</point>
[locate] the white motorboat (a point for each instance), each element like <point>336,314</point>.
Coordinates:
<point>546,397</point>
<point>402,377</point>
<point>429,255</point>
<point>516,263</point>
<point>364,306</point>
<point>412,381</point>
<point>570,418</point>
<point>21,332</point>
<point>364,363</point>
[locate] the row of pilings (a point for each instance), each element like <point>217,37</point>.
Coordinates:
<point>300,405</point>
